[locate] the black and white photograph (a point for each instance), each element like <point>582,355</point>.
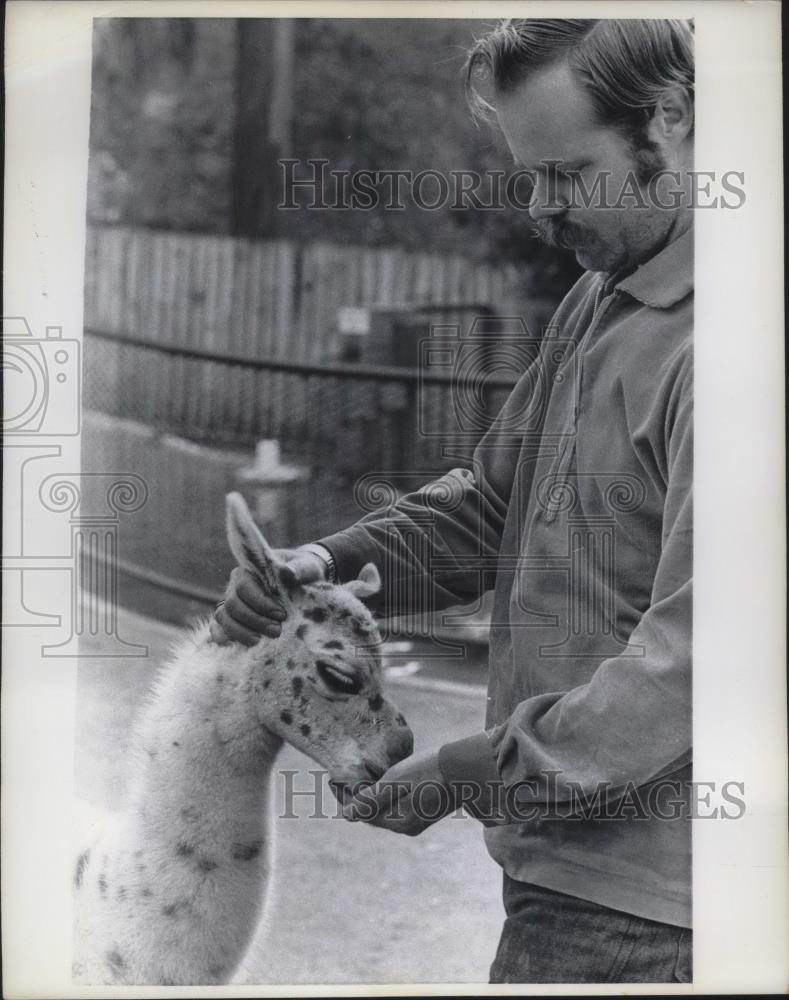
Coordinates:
<point>399,606</point>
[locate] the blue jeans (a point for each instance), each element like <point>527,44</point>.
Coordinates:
<point>549,937</point>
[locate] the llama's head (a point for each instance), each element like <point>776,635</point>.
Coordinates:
<point>318,685</point>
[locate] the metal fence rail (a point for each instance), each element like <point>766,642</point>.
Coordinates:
<point>343,418</point>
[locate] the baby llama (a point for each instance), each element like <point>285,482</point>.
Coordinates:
<point>171,889</point>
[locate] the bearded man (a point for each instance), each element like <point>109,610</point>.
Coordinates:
<point>581,523</point>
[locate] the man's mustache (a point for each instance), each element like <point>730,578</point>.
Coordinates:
<point>565,235</point>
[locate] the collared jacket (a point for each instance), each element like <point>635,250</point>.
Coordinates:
<point>577,509</point>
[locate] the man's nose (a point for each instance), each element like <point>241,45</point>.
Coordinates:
<point>546,200</point>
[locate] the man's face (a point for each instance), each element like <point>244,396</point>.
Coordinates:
<point>550,117</point>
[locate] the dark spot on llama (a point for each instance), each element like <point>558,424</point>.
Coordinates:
<point>206,865</point>
<point>82,864</point>
<point>301,631</point>
<point>116,962</point>
<point>305,729</point>
<point>375,702</point>
<point>286,717</point>
<point>333,644</point>
<point>220,678</point>
<point>184,850</point>
<point>171,909</point>
<point>175,743</point>
<point>145,892</point>
<point>102,885</point>
<point>297,685</point>
<point>317,615</point>
<point>266,683</point>
<point>291,664</point>
<point>246,852</point>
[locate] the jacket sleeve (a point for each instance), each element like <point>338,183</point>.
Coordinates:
<point>437,546</point>
<point>631,722</point>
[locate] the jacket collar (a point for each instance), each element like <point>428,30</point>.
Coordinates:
<point>666,278</point>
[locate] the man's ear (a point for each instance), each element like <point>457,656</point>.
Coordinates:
<point>250,548</point>
<point>673,117</point>
<point>368,583</point>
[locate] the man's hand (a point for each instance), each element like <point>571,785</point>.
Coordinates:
<point>246,613</point>
<point>407,799</point>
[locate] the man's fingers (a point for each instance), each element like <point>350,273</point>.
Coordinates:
<point>247,612</point>
<point>307,567</point>
<point>374,803</point>
<point>231,628</point>
<point>363,812</point>
<point>244,616</point>
<point>246,589</point>
<point>218,634</point>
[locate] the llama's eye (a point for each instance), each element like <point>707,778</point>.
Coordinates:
<point>336,679</point>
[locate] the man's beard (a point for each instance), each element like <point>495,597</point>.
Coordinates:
<point>647,162</point>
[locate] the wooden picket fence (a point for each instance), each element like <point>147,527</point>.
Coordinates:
<point>267,299</point>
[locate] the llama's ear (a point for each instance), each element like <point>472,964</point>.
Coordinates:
<point>368,583</point>
<point>248,545</point>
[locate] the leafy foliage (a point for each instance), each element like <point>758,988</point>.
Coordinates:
<point>372,94</point>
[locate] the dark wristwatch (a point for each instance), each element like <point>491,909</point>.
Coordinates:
<point>323,553</point>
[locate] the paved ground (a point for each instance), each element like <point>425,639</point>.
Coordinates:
<point>351,904</point>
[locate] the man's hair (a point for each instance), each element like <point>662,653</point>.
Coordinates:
<point>625,65</point>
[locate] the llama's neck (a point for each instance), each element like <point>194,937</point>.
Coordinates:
<point>195,841</point>
<point>204,761</point>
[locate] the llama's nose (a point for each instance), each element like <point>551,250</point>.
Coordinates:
<point>401,744</point>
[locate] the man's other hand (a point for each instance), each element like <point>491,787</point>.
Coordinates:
<point>407,799</point>
<point>246,613</point>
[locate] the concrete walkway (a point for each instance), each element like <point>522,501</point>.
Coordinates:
<point>351,904</point>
